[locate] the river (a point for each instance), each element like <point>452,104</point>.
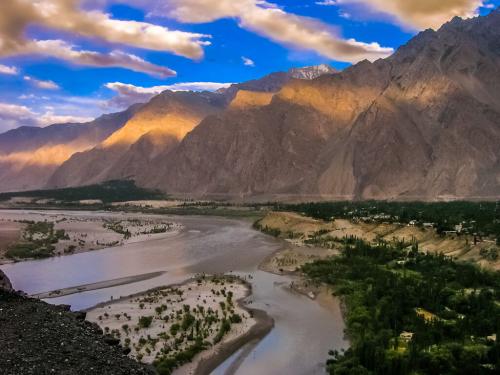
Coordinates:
<point>304,331</point>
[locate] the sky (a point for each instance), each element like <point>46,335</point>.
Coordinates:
<point>73,60</point>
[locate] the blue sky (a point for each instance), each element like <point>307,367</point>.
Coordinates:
<point>248,39</point>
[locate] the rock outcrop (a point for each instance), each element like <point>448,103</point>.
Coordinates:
<point>5,282</point>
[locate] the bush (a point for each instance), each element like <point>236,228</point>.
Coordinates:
<point>145,321</point>
<point>235,318</point>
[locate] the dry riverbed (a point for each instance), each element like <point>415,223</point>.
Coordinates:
<point>192,326</point>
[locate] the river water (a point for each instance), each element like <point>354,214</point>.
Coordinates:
<point>304,331</point>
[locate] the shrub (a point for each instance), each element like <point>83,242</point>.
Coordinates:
<point>145,321</point>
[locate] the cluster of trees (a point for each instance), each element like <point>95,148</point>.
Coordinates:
<point>413,313</point>
<point>107,192</point>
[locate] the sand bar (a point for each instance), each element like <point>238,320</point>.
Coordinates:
<point>98,285</point>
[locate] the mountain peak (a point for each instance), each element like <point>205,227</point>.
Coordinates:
<point>311,72</point>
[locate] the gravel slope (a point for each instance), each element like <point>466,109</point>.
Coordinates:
<point>38,338</point>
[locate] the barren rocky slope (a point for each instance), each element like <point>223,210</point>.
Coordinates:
<point>29,155</point>
<point>424,123</point>
<point>38,338</point>
<point>159,126</point>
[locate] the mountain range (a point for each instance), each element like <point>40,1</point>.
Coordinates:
<point>423,123</point>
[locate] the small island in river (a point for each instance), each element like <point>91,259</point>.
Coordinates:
<point>192,326</point>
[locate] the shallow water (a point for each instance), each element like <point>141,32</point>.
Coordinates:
<point>304,331</point>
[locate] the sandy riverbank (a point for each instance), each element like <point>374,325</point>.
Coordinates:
<point>82,233</point>
<point>295,254</point>
<point>162,323</point>
<point>95,286</point>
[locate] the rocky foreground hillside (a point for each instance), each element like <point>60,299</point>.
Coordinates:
<point>5,282</point>
<point>38,338</point>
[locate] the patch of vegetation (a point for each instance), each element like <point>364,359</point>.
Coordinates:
<point>186,329</point>
<point>24,250</point>
<point>166,365</point>
<point>117,227</point>
<point>275,232</point>
<point>145,321</point>
<point>38,241</point>
<point>412,313</point>
<point>107,192</point>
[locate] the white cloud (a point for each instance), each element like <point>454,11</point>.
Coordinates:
<point>46,85</point>
<point>422,13</point>
<point>66,15</point>
<point>61,49</point>
<point>32,97</point>
<point>15,115</point>
<point>12,114</point>
<point>247,61</point>
<point>269,20</point>
<point>345,15</point>
<point>10,70</point>
<point>129,94</point>
<point>327,2</point>
<point>49,118</point>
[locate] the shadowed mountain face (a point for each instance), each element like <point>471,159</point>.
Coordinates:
<point>160,125</point>
<point>157,127</point>
<point>29,155</point>
<point>424,123</point>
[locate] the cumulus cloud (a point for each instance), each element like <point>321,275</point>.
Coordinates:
<point>65,51</point>
<point>269,20</point>
<point>66,15</point>
<point>128,94</point>
<point>423,13</point>
<point>14,115</point>
<point>46,85</point>
<point>10,70</point>
<point>247,61</point>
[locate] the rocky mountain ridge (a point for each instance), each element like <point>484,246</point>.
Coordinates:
<point>421,124</point>
<point>29,155</point>
<point>161,124</point>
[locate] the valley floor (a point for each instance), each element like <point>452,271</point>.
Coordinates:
<point>203,320</point>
